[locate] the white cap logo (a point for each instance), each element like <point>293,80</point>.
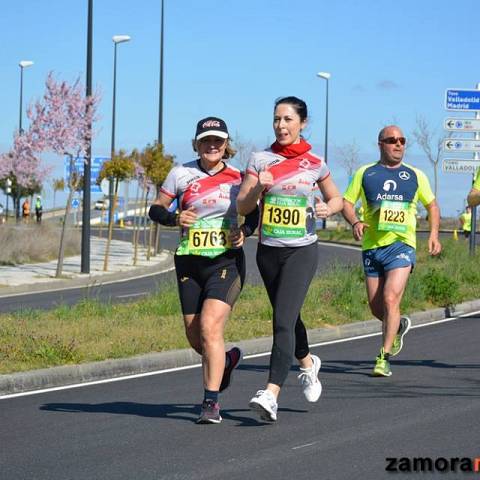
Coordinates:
<point>211,123</point>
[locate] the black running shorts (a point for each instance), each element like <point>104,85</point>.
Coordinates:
<point>199,278</point>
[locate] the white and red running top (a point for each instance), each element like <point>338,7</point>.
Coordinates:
<point>213,195</point>
<point>287,217</point>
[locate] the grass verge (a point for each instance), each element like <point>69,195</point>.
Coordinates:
<point>93,331</point>
<point>35,243</point>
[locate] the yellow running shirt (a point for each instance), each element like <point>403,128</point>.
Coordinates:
<point>389,197</point>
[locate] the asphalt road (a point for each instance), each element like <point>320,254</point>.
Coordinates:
<point>145,428</point>
<point>134,289</point>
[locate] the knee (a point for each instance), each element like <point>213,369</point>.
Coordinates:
<point>211,331</point>
<point>391,300</point>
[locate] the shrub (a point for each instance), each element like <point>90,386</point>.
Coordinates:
<point>440,289</point>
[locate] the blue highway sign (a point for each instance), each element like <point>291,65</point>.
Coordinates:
<point>459,99</point>
<point>78,164</point>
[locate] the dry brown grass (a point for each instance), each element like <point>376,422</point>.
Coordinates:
<point>35,243</point>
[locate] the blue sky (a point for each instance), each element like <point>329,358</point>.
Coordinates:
<point>389,62</point>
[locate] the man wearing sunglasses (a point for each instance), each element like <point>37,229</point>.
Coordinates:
<point>389,191</point>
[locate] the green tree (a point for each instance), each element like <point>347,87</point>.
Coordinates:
<point>155,164</point>
<point>118,169</point>
<point>58,185</point>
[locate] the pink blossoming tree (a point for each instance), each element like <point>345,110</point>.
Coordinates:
<point>23,167</point>
<point>61,122</point>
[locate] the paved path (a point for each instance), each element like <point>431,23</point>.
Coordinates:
<point>120,260</point>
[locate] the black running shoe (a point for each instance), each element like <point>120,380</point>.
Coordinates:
<point>235,356</point>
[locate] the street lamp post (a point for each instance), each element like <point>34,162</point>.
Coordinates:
<point>160,92</point>
<point>87,166</point>
<point>23,64</point>
<point>116,40</point>
<point>326,76</point>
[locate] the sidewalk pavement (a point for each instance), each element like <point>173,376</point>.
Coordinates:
<point>29,278</point>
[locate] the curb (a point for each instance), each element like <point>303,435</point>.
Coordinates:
<point>88,372</point>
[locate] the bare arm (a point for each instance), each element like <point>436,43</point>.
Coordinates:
<point>473,198</point>
<point>251,189</point>
<point>350,216</point>
<point>434,245</point>
<point>163,200</point>
<point>332,196</point>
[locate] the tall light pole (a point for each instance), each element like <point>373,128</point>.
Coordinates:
<point>326,76</point>
<point>87,176</point>
<point>116,40</point>
<point>160,93</point>
<point>23,64</point>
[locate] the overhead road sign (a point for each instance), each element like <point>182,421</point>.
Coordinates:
<point>462,124</point>
<point>461,100</point>
<point>455,165</point>
<point>460,145</point>
<point>78,165</point>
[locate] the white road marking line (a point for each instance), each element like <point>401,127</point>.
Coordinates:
<point>303,446</point>
<point>339,245</point>
<point>188,367</point>
<point>132,295</point>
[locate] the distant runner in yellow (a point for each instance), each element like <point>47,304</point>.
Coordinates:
<point>389,191</point>
<point>466,221</point>
<point>473,198</point>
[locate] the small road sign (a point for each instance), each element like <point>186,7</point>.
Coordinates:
<point>456,165</point>
<point>461,145</point>
<point>75,202</point>
<point>462,124</point>
<point>460,99</point>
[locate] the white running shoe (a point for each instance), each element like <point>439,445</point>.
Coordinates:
<point>312,388</point>
<point>265,404</point>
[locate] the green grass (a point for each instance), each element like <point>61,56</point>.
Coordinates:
<point>92,330</point>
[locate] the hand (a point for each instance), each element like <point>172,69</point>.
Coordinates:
<point>322,210</point>
<point>434,245</point>
<point>265,179</point>
<point>187,217</point>
<point>236,237</point>
<point>358,230</point>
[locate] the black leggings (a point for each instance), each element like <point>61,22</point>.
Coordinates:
<point>287,273</point>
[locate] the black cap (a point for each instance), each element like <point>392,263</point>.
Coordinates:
<point>211,126</point>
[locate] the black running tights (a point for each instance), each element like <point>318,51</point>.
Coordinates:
<point>287,273</point>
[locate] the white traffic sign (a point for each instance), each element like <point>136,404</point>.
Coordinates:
<point>460,145</point>
<point>460,99</point>
<point>105,186</point>
<point>455,165</point>
<point>462,124</point>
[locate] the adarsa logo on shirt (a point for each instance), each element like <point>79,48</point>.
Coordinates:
<point>389,196</point>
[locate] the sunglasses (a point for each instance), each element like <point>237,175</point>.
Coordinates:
<point>394,140</point>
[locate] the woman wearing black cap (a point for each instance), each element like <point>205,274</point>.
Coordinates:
<point>209,260</point>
